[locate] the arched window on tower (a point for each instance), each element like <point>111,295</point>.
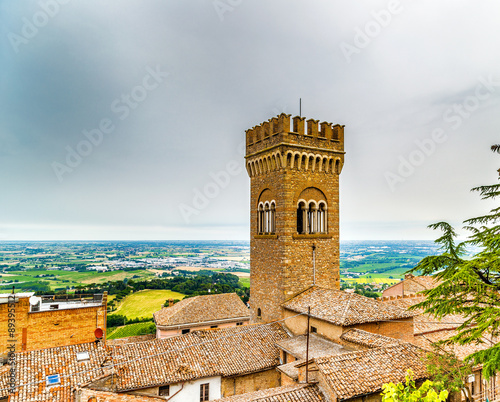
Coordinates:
<point>267,214</point>
<point>260,219</point>
<point>266,218</point>
<point>301,218</point>
<point>272,225</point>
<point>312,215</point>
<point>322,218</point>
<point>312,224</point>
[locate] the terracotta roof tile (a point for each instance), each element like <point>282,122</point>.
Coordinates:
<point>367,339</point>
<point>33,367</point>
<point>292,393</point>
<point>425,323</point>
<point>364,372</point>
<point>203,309</point>
<point>318,346</point>
<point>428,282</point>
<point>102,396</point>
<point>224,352</point>
<point>342,308</point>
<point>461,351</point>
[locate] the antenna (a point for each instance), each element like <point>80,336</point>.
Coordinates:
<point>300,107</point>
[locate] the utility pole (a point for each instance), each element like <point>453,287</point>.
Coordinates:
<point>307,345</point>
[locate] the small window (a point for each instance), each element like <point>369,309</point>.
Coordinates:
<point>314,330</point>
<point>164,391</point>
<point>214,326</point>
<point>239,323</point>
<point>185,331</point>
<point>204,388</point>
<point>54,307</point>
<point>259,313</point>
<point>54,379</point>
<point>82,356</point>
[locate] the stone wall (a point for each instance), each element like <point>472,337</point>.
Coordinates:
<point>283,165</point>
<point>250,382</point>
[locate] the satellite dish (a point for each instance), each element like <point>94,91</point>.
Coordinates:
<point>98,333</point>
<point>34,300</point>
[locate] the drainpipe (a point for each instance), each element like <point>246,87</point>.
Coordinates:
<point>314,264</point>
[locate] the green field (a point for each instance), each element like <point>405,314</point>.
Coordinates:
<point>63,279</point>
<point>373,279</point>
<point>145,303</point>
<point>141,328</point>
<point>245,282</point>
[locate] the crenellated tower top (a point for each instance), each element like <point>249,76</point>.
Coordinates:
<point>288,146</point>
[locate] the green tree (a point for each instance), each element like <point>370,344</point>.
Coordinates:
<point>469,286</point>
<point>408,392</point>
<point>446,368</point>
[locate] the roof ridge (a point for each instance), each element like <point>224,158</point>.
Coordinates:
<point>189,300</point>
<point>348,355</point>
<point>342,319</point>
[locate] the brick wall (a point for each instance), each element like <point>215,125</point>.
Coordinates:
<point>282,263</point>
<point>250,382</point>
<point>394,290</point>
<point>48,329</point>
<point>399,329</point>
<point>45,329</point>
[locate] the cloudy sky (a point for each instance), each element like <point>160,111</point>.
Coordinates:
<point>116,115</point>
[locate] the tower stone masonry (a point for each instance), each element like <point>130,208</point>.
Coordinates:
<point>294,218</point>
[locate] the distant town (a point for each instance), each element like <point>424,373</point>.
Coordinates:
<point>60,266</point>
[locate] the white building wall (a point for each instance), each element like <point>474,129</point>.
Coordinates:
<point>191,390</point>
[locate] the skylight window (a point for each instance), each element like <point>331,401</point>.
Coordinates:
<point>54,379</point>
<point>82,356</point>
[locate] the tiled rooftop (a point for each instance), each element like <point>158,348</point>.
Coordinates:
<point>296,346</point>
<point>367,339</point>
<point>130,339</point>
<point>201,309</point>
<point>428,282</point>
<point>461,351</point>
<point>292,393</point>
<point>225,352</point>
<point>33,367</point>
<point>342,308</point>
<point>101,396</point>
<point>425,323</point>
<point>364,372</point>
<point>291,369</point>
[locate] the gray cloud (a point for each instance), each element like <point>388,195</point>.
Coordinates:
<point>224,77</point>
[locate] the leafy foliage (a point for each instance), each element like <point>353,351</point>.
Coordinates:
<point>203,283</point>
<point>469,286</point>
<point>444,367</point>
<point>408,392</point>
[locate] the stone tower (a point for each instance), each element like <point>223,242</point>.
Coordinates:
<point>294,229</point>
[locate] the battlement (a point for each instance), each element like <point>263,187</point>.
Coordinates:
<point>398,297</point>
<point>281,124</point>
